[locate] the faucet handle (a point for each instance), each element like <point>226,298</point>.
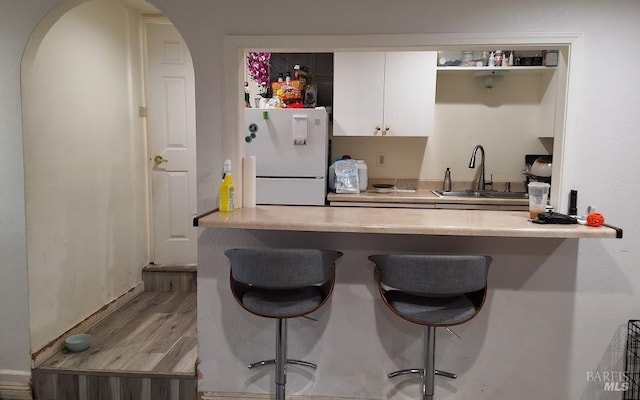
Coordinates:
<point>489,182</point>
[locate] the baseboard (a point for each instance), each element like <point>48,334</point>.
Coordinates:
<point>265,396</point>
<point>48,350</point>
<point>15,390</point>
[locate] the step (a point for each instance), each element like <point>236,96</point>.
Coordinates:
<point>72,385</point>
<point>170,278</point>
<point>147,349</point>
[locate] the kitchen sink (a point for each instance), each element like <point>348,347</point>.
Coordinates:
<point>484,194</point>
<point>465,193</point>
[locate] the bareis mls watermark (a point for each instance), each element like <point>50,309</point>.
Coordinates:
<point>612,381</point>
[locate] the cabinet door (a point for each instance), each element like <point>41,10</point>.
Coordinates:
<point>409,93</point>
<point>358,81</point>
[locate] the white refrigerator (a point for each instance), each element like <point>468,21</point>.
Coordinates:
<point>291,150</point>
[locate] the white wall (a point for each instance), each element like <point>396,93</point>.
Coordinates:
<point>85,167</point>
<point>559,306</point>
<point>17,20</point>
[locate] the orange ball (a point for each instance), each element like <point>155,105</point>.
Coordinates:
<point>595,219</point>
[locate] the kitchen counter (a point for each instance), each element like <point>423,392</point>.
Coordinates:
<point>423,199</point>
<point>398,221</point>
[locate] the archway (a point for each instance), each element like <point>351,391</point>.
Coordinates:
<point>86,162</point>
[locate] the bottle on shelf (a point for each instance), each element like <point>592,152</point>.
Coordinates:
<point>492,60</point>
<point>226,191</point>
<point>446,185</point>
<point>498,58</point>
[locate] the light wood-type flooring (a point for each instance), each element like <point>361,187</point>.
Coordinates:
<point>146,350</point>
<point>155,332</point>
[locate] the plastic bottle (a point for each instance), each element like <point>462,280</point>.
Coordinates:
<point>446,185</point>
<point>363,176</point>
<point>226,192</point>
<point>492,60</point>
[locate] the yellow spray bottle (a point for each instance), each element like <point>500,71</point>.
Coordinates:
<point>226,189</point>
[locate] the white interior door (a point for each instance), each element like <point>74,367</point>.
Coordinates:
<point>172,139</point>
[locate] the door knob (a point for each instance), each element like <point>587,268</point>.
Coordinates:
<point>159,159</point>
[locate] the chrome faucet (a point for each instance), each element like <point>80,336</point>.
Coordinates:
<point>481,184</point>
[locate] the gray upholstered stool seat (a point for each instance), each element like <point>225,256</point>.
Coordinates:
<point>432,290</point>
<point>281,284</point>
<point>284,302</point>
<point>423,310</point>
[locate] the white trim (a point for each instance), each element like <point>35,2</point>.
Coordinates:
<point>236,45</point>
<point>265,396</point>
<point>15,390</point>
<point>144,22</point>
<point>48,350</point>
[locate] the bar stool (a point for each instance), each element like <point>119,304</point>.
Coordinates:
<point>281,284</point>
<point>432,291</point>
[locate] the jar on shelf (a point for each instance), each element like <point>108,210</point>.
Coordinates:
<point>497,58</point>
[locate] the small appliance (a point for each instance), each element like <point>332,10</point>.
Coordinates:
<point>538,168</point>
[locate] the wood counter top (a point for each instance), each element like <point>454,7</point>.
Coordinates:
<point>398,221</point>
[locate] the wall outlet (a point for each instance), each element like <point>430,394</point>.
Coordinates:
<point>381,159</point>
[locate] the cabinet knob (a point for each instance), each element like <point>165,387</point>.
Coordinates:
<point>377,130</point>
<point>386,130</point>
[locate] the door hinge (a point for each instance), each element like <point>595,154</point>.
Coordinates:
<point>142,112</point>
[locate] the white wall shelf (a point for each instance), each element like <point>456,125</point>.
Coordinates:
<point>514,69</point>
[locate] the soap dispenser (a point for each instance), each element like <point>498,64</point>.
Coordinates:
<point>446,185</point>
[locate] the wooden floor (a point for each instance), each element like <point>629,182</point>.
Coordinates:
<point>155,332</point>
<point>146,350</point>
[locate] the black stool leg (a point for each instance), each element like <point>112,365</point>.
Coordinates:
<point>281,358</point>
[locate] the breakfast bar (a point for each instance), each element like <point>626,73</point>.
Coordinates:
<point>436,222</point>
<point>533,271</point>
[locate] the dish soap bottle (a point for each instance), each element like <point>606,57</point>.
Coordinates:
<point>226,191</point>
<point>446,185</point>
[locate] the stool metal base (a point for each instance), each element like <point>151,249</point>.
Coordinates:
<point>281,359</point>
<point>420,372</point>
<point>289,361</point>
<point>427,373</point>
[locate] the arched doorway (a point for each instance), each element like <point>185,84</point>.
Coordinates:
<point>87,166</point>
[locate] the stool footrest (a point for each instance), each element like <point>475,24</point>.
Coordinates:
<point>419,371</point>
<point>446,374</point>
<point>289,361</point>
<point>405,372</point>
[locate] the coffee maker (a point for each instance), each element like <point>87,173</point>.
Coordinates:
<point>537,168</point>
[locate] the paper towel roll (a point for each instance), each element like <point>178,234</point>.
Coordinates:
<point>249,181</point>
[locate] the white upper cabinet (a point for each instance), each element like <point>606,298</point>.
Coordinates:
<point>384,93</point>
